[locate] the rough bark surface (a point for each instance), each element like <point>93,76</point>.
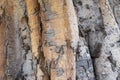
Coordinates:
<point>115,7</point>
<point>109,55</point>
<point>59,39</point>
<point>18,56</point>
<point>57,47</point>
<point>2,40</point>
<point>91,32</point>
<point>98,26</point>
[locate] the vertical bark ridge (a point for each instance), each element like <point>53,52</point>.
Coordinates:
<point>107,64</point>
<point>2,40</point>
<point>34,24</point>
<point>12,42</point>
<point>19,64</point>
<point>28,66</point>
<point>57,38</point>
<point>35,35</point>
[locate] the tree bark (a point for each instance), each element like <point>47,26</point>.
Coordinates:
<point>109,58</point>
<point>2,41</point>
<point>59,40</point>
<point>100,29</point>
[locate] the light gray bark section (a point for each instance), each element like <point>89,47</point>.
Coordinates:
<point>108,63</point>
<point>115,7</point>
<point>97,24</point>
<point>84,67</point>
<point>90,28</point>
<point>90,23</point>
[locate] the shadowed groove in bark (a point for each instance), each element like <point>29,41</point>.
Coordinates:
<point>28,67</point>
<point>36,38</point>
<point>14,13</point>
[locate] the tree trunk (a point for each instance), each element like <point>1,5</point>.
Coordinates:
<point>59,40</point>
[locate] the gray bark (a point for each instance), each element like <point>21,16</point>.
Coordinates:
<point>115,7</point>
<point>92,31</point>
<point>99,27</point>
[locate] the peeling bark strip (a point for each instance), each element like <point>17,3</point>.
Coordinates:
<point>108,63</point>
<point>2,41</point>
<point>57,38</point>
